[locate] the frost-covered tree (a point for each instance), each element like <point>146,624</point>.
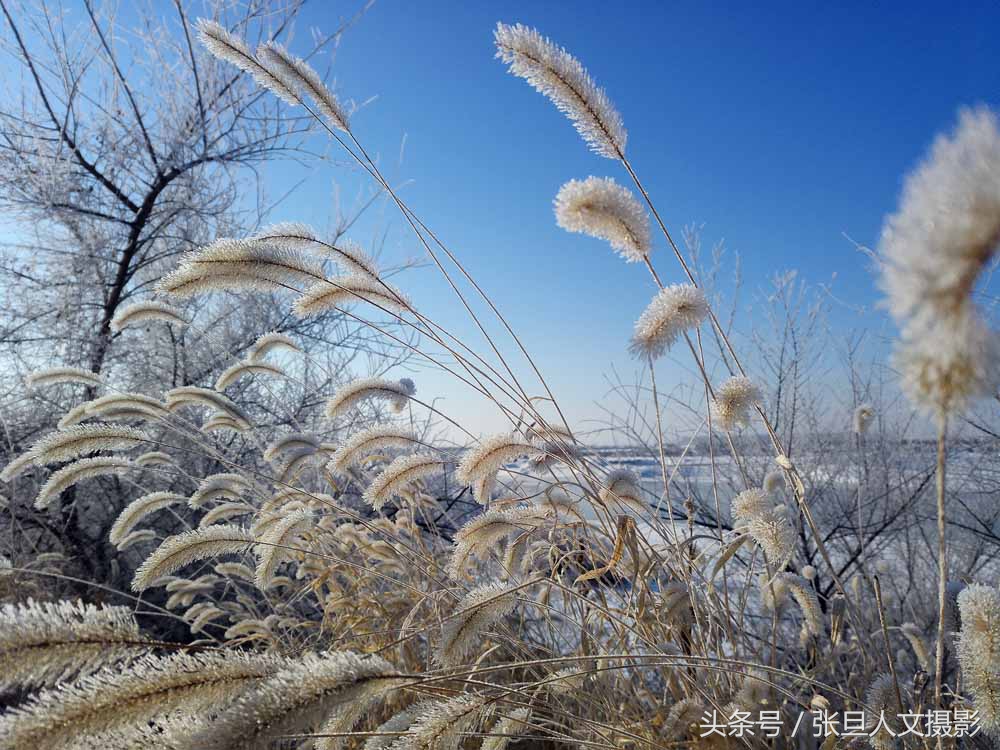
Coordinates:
<point>124,144</point>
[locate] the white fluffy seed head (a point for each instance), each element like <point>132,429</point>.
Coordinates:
<point>600,207</point>
<point>478,610</point>
<point>82,440</point>
<point>219,422</point>
<point>142,312</point>
<point>224,486</point>
<point>750,503</point>
<point>774,481</point>
<point>296,74</point>
<point>46,643</point>
<point>933,251</point>
<point>270,342</point>
<point>362,444</point>
<point>188,547</point>
<point>442,724</point>
<point>805,596</point>
<point>234,50</point>
<point>674,310</point>
<point>941,373</point>
<point>863,417</point>
<point>78,471</point>
<point>979,608</point>
<point>291,235</point>
<point>881,698</point>
<point>229,264</point>
<point>556,74</point>
<point>135,405</point>
<point>979,651</point>
<point>487,529</point>
<point>137,510</point>
<point>294,441</point>
<point>17,466</point>
<point>343,291</point>
<point>490,456</point>
<point>399,475</point>
<point>275,543</point>
<point>57,375</point>
<point>247,367</point>
<point>397,393</point>
<point>767,523</point>
<point>947,227</point>
<point>189,394</point>
<point>733,401</point>
<point>348,254</point>
<point>621,488</point>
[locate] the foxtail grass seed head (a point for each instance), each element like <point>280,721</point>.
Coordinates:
<point>863,417</point>
<point>915,638</point>
<point>78,471</point>
<point>278,543</point>
<point>58,375</point>
<point>397,392</point>
<point>774,481</point>
<point>138,509</point>
<point>261,369</point>
<point>399,475</point>
<point>477,611</point>
<point>188,547</point>
<point>486,459</point>
<point>805,596</point>
<point>134,406</point>
<point>362,444</point>
<point>229,264</point>
<point>343,291</point>
<point>933,251</point>
<point>882,721</point>
<point>292,442</point>
<point>270,342</point>
<point>622,489</point>
<point>943,374</point>
<point>223,486</point>
<point>733,401</point>
<point>303,696</point>
<point>507,729</point>
<point>947,226</point>
<point>17,466</point>
<point>143,312</point>
<point>442,725</point>
<point>234,50</point>
<point>556,74</point>
<point>43,643</point>
<point>189,394</point>
<point>75,442</point>
<point>487,529</point>
<point>349,255</point>
<point>601,208</point>
<point>767,523</point>
<point>297,75</point>
<point>979,651</point>
<point>674,310</point>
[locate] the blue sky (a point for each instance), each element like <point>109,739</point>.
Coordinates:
<point>779,126</point>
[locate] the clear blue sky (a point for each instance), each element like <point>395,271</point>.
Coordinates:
<point>780,126</point>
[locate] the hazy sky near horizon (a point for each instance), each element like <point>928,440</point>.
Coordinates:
<point>780,127</point>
